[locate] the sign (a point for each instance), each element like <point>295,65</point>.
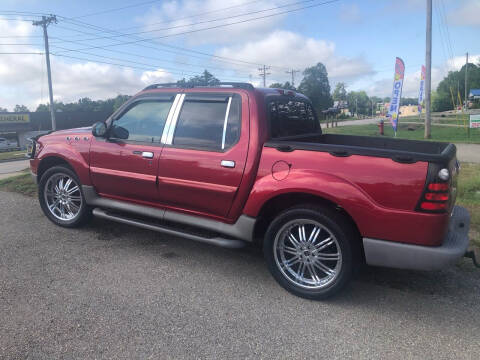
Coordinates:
<point>14,118</point>
<point>422,85</point>
<point>475,121</point>
<point>394,107</point>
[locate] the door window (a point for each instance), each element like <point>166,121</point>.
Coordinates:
<point>144,122</point>
<point>210,124</point>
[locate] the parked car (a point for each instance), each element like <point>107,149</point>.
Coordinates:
<point>232,164</point>
<point>7,145</point>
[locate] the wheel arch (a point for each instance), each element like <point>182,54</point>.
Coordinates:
<point>284,201</point>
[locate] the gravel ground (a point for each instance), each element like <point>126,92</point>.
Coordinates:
<point>112,291</point>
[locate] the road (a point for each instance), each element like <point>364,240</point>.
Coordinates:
<point>112,291</point>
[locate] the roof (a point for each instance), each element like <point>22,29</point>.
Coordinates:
<point>474,92</point>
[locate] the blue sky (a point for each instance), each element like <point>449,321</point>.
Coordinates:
<point>356,40</point>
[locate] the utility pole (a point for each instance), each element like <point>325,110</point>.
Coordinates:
<point>428,72</point>
<point>263,74</point>
<point>466,77</point>
<point>292,73</point>
<point>44,23</point>
<point>356,107</point>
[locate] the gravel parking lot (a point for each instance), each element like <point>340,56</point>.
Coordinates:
<point>112,291</point>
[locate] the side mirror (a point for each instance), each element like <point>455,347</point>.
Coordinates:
<point>120,132</point>
<point>99,129</point>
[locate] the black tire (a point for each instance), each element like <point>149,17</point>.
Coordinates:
<point>84,213</point>
<point>332,222</point>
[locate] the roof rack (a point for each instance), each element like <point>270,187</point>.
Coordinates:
<point>238,85</point>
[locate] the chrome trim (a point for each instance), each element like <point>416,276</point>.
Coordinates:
<point>242,229</point>
<point>225,122</point>
<point>173,124</point>
<point>163,139</point>
<point>228,243</point>
<point>147,154</point>
<point>227,163</point>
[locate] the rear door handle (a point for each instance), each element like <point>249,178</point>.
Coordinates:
<point>147,154</point>
<point>228,163</point>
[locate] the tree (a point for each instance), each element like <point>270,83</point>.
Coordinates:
<point>206,79</point>
<point>340,92</point>
<point>20,108</point>
<point>315,85</point>
<point>454,84</point>
<point>3,110</point>
<point>286,86</point>
<point>86,104</point>
<point>359,102</point>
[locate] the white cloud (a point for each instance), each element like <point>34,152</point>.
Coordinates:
<point>23,77</point>
<point>176,16</point>
<point>467,14</point>
<point>285,49</point>
<point>383,87</point>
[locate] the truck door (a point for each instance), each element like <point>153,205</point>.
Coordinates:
<point>125,165</point>
<point>204,157</point>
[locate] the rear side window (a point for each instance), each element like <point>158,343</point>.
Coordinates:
<point>209,123</point>
<point>291,117</point>
<point>145,120</point>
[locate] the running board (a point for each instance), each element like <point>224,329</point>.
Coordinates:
<point>218,241</point>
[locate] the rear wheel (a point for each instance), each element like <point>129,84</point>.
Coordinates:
<point>309,251</point>
<point>61,198</point>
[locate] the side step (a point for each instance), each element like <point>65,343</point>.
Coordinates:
<point>218,241</point>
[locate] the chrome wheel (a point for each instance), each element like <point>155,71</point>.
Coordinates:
<point>307,254</point>
<point>62,197</point>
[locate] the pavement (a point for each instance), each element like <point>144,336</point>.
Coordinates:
<point>11,168</point>
<point>113,291</point>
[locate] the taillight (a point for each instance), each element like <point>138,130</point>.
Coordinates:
<point>431,206</point>
<point>438,187</point>
<point>436,197</point>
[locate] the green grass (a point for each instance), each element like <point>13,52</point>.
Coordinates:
<point>12,155</point>
<point>468,194</point>
<point>22,184</point>
<point>439,133</point>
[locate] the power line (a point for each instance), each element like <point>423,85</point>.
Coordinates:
<point>263,74</point>
<point>116,9</point>
<point>21,53</point>
<point>122,65</point>
<point>203,22</point>
<point>210,27</point>
<point>292,73</point>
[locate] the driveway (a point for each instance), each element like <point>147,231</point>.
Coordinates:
<point>113,291</point>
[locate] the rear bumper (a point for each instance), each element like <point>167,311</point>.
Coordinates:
<point>416,257</point>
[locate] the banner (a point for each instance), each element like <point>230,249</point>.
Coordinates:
<point>394,107</point>
<point>14,118</point>
<point>422,85</point>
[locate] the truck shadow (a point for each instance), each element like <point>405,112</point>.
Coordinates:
<point>461,281</point>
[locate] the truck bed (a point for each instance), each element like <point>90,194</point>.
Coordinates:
<point>404,151</point>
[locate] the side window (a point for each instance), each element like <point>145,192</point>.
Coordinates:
<point>291,117</point>
<point>209,124</point>
<point>145,120</point>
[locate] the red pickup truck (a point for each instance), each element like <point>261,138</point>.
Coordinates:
<point>233,164</point>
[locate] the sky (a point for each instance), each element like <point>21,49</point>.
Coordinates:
<point>104,48</point>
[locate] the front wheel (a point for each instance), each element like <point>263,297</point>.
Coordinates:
<point>61,198</point>
<point>309,251</point>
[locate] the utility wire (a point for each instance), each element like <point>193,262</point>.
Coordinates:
<point>212,27</point>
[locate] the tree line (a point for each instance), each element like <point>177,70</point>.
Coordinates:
<point>315,85</point>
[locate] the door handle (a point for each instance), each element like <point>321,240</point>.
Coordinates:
<point>147,154</point>
<point>228,163</point>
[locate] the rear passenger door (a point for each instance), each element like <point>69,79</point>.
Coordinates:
<point>204,157</point>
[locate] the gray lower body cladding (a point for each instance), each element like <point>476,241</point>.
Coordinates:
<point>242,229</point>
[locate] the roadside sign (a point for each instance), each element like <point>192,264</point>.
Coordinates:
<point>14,118</point>
<point>475,121</point>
